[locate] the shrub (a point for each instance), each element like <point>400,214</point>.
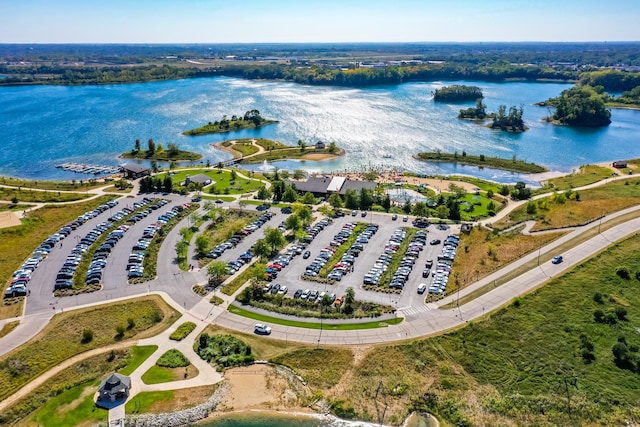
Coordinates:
<point>597,297</point>
<point>588,356</point>
<point>183,330</point>
<point>173,359</point>
<point>621,313</point>
<point>156,316</point>
<point>87,336</point>
<point>598,316</point>
<point>131,323</point>
<point>224,350</point>
<point>623,273</point>
<point>610,318</point>
<point>120,329</point>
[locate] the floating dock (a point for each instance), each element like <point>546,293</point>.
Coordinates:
<point>88,169</point>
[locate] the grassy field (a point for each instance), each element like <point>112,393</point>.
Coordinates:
<point>73,185</point>
<point>17,243</point>
<point>517,366</point>
<point>36,196</point>
<point>481,253</point>
<point>67,398</point>
<point>311,364</point>
<point>584,176</point>
<point>160,374</point>
<point>139,354</point>
<point>512,164</point>
<point>241,147</point>
<point>314,325</point>
<point>11,307</point>
<point>154,402</point>
<point>63,337</point>
<point>11,207</point>
<point>553,212</point>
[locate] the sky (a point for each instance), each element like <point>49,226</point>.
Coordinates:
<point>253,21</point>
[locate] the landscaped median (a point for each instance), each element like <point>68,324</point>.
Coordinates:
<point>314,325</point>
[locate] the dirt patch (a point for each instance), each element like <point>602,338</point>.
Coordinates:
<point>262,387</point>
<point>318,156</point>
<point>9,219</point>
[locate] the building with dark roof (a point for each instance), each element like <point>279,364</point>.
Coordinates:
<point>114,388</point>
<point>199,178</point>
<point>321,186</point>
<point>134,170</point>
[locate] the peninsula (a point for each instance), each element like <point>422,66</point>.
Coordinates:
<point>249,151</point>
<point>481,160</point>
<point>251,119</point>
<point>158,153</point>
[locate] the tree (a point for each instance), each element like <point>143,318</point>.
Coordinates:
<point>274,238</point>
<point>420,209</point>
<point>277,188</point>
<point>290,194</point>
<point>152,147</point>
<point>332,148</point>
<point>308,199</point>
<point>386,203</point>
<point>216,271</point>
<point>303,212</point>
<point>172,149</point>
<point>365,199</point>
<point>137,146</point>
<point>302,145</point>
<point>202,244</point>
<point>261,249</point>
<point>293,223</point>
<point>263,193</point>
<point>406,208</point>
<point>620,354</point>
<point>520,191</point>
<point>532,207</point>
<point>299,174</point>
<point>335,201</point>
<point>442,212</point>
<point>351,199</point>
<point>167,184</point>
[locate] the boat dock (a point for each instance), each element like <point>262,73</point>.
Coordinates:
<point>89,169</point>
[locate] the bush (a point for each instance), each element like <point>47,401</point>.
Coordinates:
<point>173,359</point>
<point>598,316</point>
<point>120,329</point>
<point>156,316</point>
<point>623,273</point>
<point>131,323</point>
<point>597,297</point>
<point>87,336</point>
<point>224,350</point>
<point>183,330</point>
<point>610,318</point>
<point>621,313</point>
<point>588,356</point>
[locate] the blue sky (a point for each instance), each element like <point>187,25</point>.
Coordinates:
<point>248,21</point>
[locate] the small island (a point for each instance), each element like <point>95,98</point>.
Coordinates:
<point>509,122</point>
<point>513,164</point>
<point>579,106</point>
<point>158,153</point>
<point>457,93</point>
<point>251,119</point>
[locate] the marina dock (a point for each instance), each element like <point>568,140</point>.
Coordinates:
<point>89,169</point>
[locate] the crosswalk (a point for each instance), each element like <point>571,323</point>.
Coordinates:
<point>410,311</point>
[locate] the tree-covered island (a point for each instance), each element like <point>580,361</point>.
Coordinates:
<point>157,152</point>
<point>513,164</point>
<point>580,106</point>
<point>457,93</point>
<point>251,119</point>
<point>510,122</point>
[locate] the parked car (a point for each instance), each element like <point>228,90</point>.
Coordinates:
<point>262,329</point>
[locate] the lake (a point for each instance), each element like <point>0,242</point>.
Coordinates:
<point>42,126</point>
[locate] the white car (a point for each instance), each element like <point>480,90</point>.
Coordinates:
<point>422,287</point>
<point>262,329</point>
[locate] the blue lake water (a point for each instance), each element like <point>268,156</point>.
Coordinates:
<point>42,126</point>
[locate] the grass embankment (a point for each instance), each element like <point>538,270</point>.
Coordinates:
<point>64,337</point>
<point>73,185</point>
<point>482,252</point>
<point>13,207</point>
<point>156,402</point>
<point>67,398</point>
<point>37,196</point>
<point>240,147</point>
<point>314,325</point>
<point>512,164</point>
<point>563,210</point>
<point>8,328</point>
<point>17,243</point>
<point>511,368</point>
<point>233,125</point>
<point>162,155</point>
<point>586,175</point>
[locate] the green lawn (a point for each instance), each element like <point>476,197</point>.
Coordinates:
<point>222,183</point>
<point>586,175</point>
<point>314,325</point>
<point>159,374</point>
<point>34,196</point>
<point>51,185</point>
<point>142,402</point>
<point>73,407</point>
<point>138,355</point>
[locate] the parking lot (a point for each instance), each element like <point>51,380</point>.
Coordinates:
<point>291,275</point>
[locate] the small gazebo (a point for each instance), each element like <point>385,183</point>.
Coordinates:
<point>114,388</point>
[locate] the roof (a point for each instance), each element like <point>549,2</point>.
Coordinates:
<point>351,184</point>
<point>315,184</point>
<point>336,184</point>
<point>201,178</point>
<point>116,383</point>
<point>135,168</point>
